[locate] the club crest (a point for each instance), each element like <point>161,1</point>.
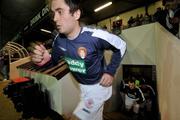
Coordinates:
<point>82,52</point>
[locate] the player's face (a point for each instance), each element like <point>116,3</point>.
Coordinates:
<point>64,20</point>
<point>131,85</point>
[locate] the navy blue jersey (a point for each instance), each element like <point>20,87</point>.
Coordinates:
<point>85,54</point>
<point>135,93</point>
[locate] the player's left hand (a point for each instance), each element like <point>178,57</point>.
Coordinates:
<point>106,80</point>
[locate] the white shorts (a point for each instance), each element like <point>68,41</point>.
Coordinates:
<point>129,103</point>
<point>92,101</point>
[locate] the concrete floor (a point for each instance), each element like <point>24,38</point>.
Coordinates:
<point>7,108</point>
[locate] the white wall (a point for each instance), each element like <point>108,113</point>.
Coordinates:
<point>70,93</point>
<point>168,65</point>
<point>140,45</point>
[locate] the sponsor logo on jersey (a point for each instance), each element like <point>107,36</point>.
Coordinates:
<point>76,65</point>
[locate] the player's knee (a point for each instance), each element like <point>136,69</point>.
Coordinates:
<point>136,108</point>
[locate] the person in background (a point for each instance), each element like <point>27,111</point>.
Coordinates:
<point>133,96</point>
<point>131,21</point>
<point>104,27</point>
<point>83,50</point>
<point>149,95</point>
<point>176,21</point>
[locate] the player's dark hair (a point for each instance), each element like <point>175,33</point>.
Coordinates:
<point>131,79</point>
<point>74,5</point>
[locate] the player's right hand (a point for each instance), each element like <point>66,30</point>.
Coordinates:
<point>39,54</point>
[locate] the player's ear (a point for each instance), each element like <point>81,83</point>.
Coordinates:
<point>77,14</point>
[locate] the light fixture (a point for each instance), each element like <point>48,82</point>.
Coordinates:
<point>47,31</point>
<point>103,6</point>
